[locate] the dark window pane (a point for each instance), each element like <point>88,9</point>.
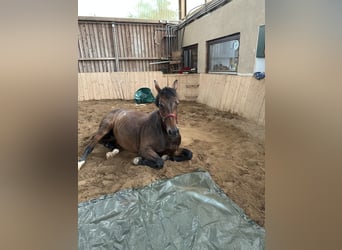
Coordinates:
<point>261,43</point>
<point>190,57</point>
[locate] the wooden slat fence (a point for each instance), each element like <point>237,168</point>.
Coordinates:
<point>123,85</point>
<point>243,95</point>
<point>117,46</point>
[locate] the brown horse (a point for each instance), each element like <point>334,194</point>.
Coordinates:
<point>154,137</point>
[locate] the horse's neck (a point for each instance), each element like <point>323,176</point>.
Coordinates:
<point>154,119</point>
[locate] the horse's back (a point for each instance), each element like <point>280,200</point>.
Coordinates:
<point>128,117</point>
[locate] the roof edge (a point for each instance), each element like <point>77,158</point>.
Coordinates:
<point>123,20</point>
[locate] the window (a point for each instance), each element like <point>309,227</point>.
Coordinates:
<point>260,51</point>
<point>223,54</point>
<point>190,57</point>
<point>261,42</point>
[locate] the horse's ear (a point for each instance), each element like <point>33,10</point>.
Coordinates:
<point>175,84</point>
<point>156,85</point>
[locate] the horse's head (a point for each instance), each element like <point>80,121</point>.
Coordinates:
<point>167,102</point>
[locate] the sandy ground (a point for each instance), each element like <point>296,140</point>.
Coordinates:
<point>229,147</point>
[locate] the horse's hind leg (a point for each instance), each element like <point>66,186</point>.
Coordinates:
<point>109,140</point>
<point>103,130</point>
<point>112,153</point>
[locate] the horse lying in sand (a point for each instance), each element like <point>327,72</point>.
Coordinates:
<point>154,137</point>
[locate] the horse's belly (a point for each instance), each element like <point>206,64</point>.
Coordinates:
<point>127,140</point>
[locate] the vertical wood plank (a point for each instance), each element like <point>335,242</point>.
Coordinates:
<point>242,95</point>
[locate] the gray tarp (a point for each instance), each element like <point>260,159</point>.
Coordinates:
<point>186,212</point>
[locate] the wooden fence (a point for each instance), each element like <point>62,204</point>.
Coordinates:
<point>123,85</point>
<point>123,45</point>
<point>243,95</point>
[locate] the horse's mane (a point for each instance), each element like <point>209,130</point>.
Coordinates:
<point>167,92</point>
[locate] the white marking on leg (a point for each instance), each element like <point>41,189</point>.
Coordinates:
<point>112,153</point>
<point>108,155</point>
<point>80,164</point>
<point>136,160</point>
<point>165,157</point>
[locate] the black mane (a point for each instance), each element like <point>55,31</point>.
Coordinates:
<point>167,92</point>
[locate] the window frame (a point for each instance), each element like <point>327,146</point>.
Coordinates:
<point>235,36</point>
<point>189,48</point>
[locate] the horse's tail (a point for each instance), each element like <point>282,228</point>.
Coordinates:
<point>104,131</point>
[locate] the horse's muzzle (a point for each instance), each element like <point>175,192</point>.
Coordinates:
<point>173,132</point>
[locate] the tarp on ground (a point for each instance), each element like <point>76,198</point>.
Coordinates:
<point>186,212</point>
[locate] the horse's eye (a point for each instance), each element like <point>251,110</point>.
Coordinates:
<point>161,105</point>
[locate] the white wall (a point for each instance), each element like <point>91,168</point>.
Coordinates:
<point>244,16</point>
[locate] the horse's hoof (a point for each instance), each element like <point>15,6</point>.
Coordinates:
<point>136,160</point>
<point>80,164</point>
<point>111,154</point>
<point>165,157</point>
<point>108,155</point>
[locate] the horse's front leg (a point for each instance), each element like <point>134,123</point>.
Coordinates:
<point>182,154</point>
<point>149,158</point>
